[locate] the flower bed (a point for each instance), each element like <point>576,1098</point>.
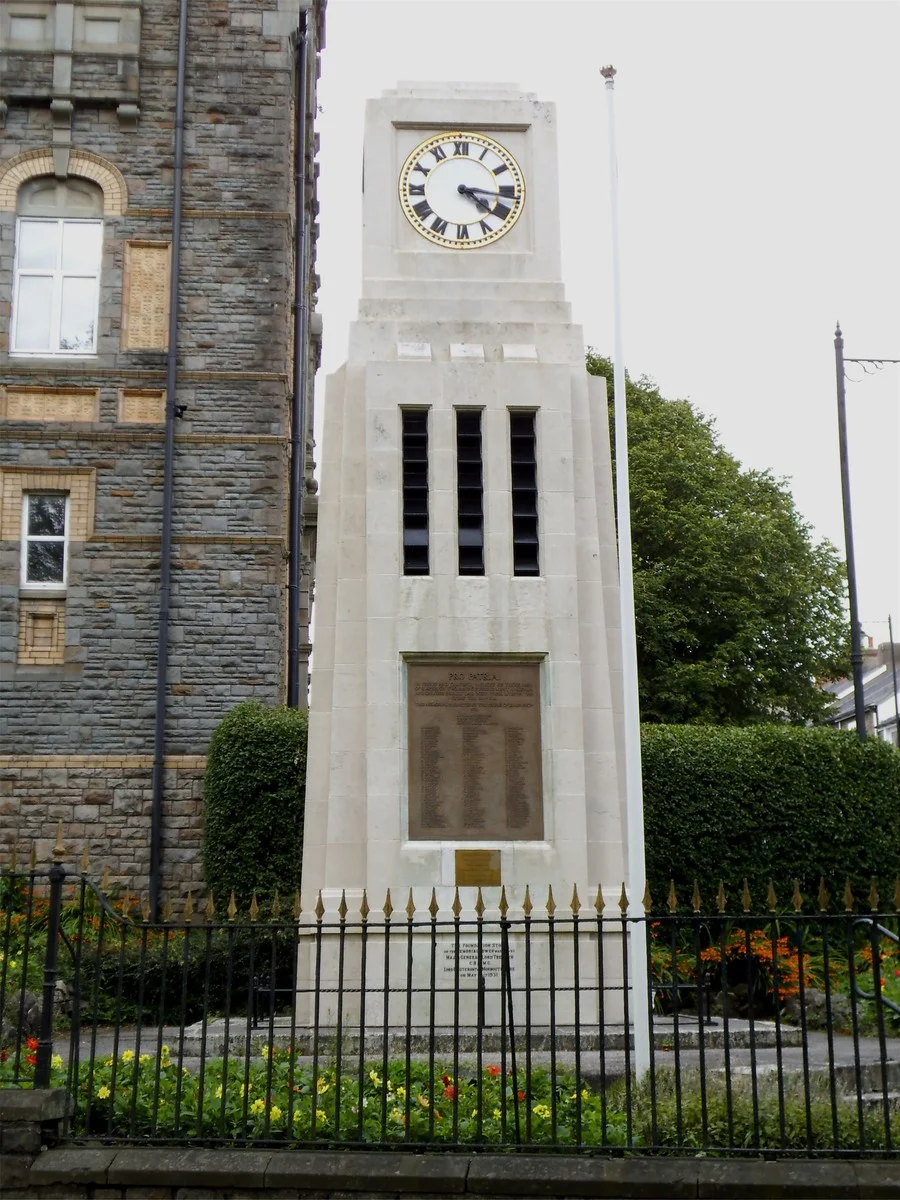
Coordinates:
<point>277,1099</point>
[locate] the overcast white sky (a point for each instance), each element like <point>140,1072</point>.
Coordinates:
<point>759,170</point>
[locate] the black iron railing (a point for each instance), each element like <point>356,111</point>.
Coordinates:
<point>496,1024</point>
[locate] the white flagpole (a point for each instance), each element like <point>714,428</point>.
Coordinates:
<point>634,802</point>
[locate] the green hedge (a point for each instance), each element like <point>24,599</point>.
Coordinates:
<point>254,793</point>
<point>769,802</point>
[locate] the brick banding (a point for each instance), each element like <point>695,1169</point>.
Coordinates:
<point>83,163</point>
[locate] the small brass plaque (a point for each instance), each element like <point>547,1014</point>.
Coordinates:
<point>478,868</point>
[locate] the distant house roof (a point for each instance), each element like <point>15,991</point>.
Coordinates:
<point>878,686</point>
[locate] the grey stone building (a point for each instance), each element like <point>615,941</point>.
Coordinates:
<point>156,530</point>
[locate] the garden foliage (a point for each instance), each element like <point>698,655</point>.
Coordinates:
<point>279,1099</point>
<point>768,802</point>
<point>739,611</point>
<point>254,793</point>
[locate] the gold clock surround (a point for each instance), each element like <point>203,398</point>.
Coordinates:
<point>473,156</point>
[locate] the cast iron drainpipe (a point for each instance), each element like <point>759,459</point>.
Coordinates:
<point>165,558</point>
<point>301,355</point>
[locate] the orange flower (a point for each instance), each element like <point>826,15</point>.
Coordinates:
<point>450,1092</point>
<point>32,1043</point>
<point>493,1072</point>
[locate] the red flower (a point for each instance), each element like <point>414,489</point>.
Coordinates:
<point>31,1059</point>
<point>493,1072</point>
<point>449,1091</point>
<point>32,1043</point>
<point>3,1054</point>
<point>445,1080</point>
<point>520,1095</point>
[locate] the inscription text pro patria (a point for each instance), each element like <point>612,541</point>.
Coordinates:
<point>475,751</point>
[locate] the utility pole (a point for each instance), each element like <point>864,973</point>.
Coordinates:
<point>855,629</point>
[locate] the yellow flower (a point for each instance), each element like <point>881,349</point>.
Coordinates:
<point>474,1112</point>
<point>321,1086</point>
<point>265,1051</point>
<point>423,1100</point>
<point>164,1051</point>
<point>103,1093</point>
<point>396,1114</point>
<point>275,1113</point>
<point>56,1061</point>
<point>219,1092</point>
<point>401,1093</point>
<point>145,1058</point>
<point>127,1055</point>
<point>376,1079</point>
<point>541,1110</point>
<point>390,1086</point>
<point>258,1106</point>
<point>297,1116</point>
<point>320,1116</point>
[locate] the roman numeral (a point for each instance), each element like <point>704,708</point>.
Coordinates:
<point>460,147</point>
<point>438,225</point>
<point>508,190</point>
<point>462,233</point>
<point>485,228</point>
<point>417,189</point>
<point>421,167</point>
<point>499,170</point>
<point>482,154</point>
<point>502,211</point>
<point>439,153</point>
<point>422,209</point>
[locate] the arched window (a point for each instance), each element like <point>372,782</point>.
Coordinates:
<point>56,289</point>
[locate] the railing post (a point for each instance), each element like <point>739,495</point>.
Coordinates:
<point>57,875</point>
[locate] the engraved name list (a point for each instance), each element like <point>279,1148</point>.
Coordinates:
<point>475,751</point>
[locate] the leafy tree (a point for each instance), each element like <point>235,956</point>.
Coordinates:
<point>739,612</point>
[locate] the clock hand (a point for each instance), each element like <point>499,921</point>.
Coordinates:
<point>464,191</point>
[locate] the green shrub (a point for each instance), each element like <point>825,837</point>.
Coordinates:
<point>769,802</point>
<point>254,792</point>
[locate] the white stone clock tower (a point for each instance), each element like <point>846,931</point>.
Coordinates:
<point>465,721</point>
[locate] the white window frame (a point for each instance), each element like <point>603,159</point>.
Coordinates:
<point>44,585</point>
<point>57,275</point>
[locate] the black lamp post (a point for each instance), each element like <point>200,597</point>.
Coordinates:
<point>855,630</point>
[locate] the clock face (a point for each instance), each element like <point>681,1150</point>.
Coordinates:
<point>461,190</point>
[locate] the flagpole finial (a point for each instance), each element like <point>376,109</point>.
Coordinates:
<point>837,329</point>
<point>609,74</point>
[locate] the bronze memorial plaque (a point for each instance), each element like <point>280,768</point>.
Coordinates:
<point>475,751</point>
